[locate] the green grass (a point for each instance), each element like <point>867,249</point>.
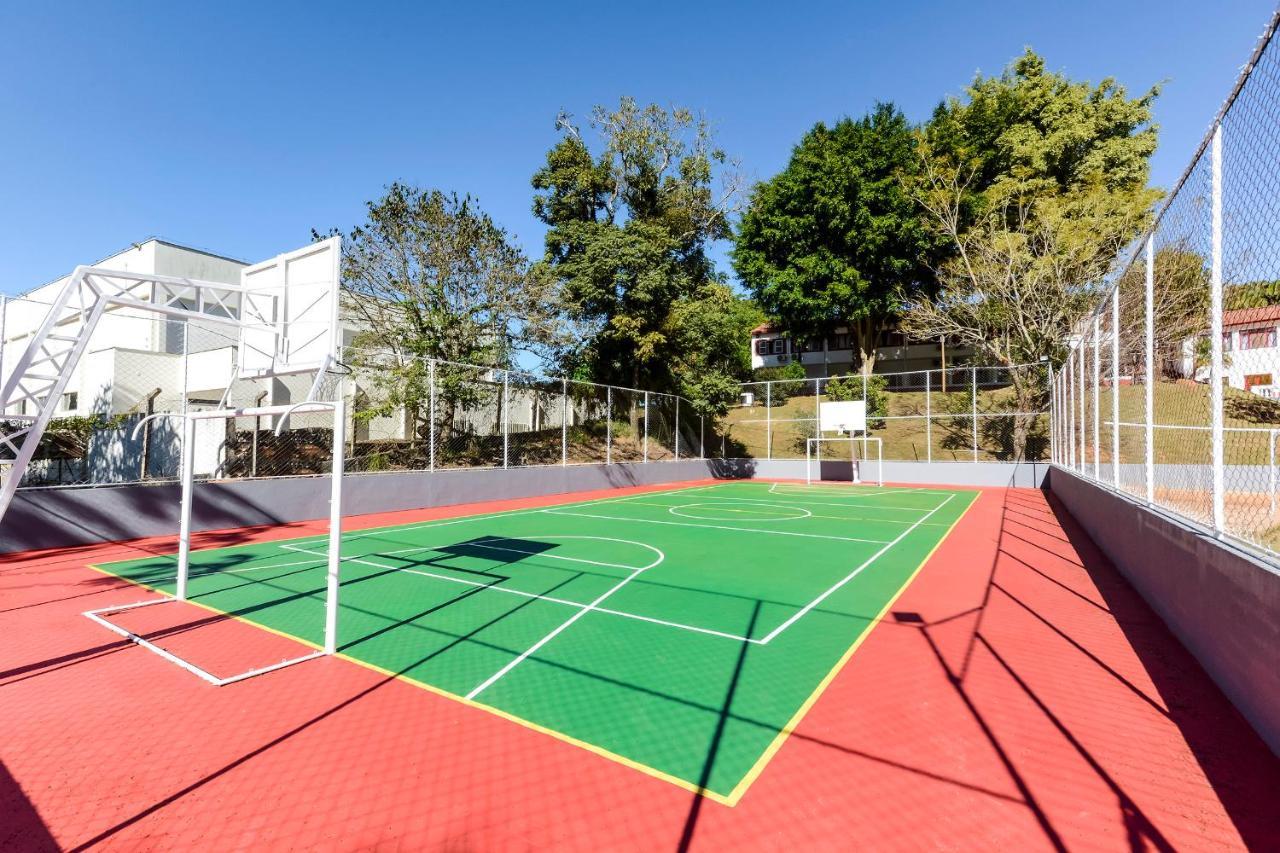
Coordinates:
<point>699,663</point>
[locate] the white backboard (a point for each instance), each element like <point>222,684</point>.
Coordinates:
<point>289,311</point>
<point>845,416</point>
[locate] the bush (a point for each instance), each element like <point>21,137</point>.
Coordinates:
<point>784,382</point>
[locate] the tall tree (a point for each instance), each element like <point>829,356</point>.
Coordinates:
<point>1035,182</point>
<point>835,239</point>
<point>628,232</point>
<point>430,275</point>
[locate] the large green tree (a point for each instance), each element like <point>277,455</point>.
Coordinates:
<point>1035,182</point>
<point>835,239</point>
<point>629,225</point>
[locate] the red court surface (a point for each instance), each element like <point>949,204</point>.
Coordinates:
<point>1019,695</point>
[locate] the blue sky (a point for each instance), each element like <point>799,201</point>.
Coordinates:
<point>239,127</point>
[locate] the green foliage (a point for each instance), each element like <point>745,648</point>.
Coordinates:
<point>843,389</point>
<point>628,229</point>
<point>1254,294</point>
<point>835,239</point>
<point>1036,182</point>
<point>784,378</point>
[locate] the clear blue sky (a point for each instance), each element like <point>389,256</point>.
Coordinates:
<point>239,127</point>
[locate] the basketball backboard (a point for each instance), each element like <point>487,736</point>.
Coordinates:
<point>843,416</point>
<point>289,311</point>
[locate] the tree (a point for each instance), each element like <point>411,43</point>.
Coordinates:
<point>1036,183</point>
<point>627,237</point>
<point>835,239</point>
<point>429,275</point>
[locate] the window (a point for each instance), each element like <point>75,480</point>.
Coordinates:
<point>762,347</point>
<point>70,401</point>
<point>838,341</point>
<point>1257,339</point>
<point>779,346</point>
<point>1226,342</point>
<point>813,345</point>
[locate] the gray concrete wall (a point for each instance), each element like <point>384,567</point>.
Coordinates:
<point>1024,475</point>
<point>1221,602</point>
<point>65,517</point>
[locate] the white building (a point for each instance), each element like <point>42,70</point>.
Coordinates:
<point>837,354</point>
<point>1250,347</point>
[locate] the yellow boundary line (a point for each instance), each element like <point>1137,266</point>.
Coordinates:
<point>738,790</point>
<point>756,769</point>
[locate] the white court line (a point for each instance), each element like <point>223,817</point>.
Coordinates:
<point>484,685</point>
<point>814,503</point>
<point>485,545</point>
<point>868,491</point>
<point>564,601</point>
<point>853,574</point>
<point>395,528</point>
<point>720,527</point>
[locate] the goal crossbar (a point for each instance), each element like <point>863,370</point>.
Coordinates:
<point>813,453</point>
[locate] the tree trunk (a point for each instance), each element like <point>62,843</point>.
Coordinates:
<point>868,331</point>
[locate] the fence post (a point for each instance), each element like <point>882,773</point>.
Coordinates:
<point>1097,397</point>
<point>1084,423</point>
<point>702,436</point>
<point>1053,423</point>
<point>974,410</point>
<point>431,414</point>
<point>1149,463</point>
<point>768,420</point>
<point>608,425</point>
<point>646,426</point>
<point>677,429</point>
<point>1215,342</point>
<point>506,417</point>
<point>1070,401</point>
<point>186,354</point>
<point>564,422</point>
<point>928,416</point>
<point>1271,471</point>
<point>1115,387</point>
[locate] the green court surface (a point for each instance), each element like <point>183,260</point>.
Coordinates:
<point>682,631</point>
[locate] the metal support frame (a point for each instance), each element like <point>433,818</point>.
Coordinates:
<point>1149,465</point>
<point>768,420</point>
<point>1097,398</point>
<point>1115,387</point>
<point>506,418</point>
<point>928,416</point>
<point>431,414</point>
<point>974,409</point>
<point>677,429</point>
<point>1216,374</point>
<point>646,426</point>
<point>1084,429</point>
<point>608,426</point>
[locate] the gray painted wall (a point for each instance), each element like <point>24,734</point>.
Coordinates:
<point>1023,475</point>
<point>65,517</point>
<point>1222,603</point>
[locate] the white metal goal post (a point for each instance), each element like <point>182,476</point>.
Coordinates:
<point>184,535</point>
<point>813,453</point>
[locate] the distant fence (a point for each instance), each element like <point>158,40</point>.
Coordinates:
<point>1157,398</point>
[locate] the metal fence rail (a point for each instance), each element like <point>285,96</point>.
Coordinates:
<point>1168,393</point>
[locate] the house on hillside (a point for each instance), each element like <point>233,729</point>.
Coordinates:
<point>1251,350</point>
<point>837,353</point>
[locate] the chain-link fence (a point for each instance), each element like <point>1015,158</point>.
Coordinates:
<point>960,414</point>
<point>1171,392</point>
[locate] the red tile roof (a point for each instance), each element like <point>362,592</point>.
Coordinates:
<point>762,329</point>
<point>1250,316</point>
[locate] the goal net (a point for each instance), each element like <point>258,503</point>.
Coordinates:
<point>844,458</point>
